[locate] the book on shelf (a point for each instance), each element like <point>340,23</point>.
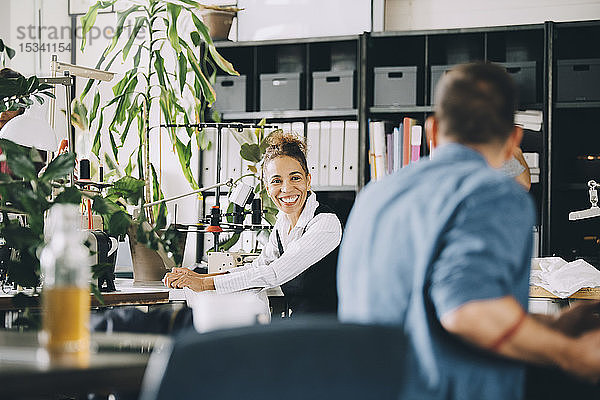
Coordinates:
<point>392,147</point>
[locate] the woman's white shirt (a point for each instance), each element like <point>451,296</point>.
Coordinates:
<point>311,239</point>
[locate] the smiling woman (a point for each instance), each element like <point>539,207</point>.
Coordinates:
<point>301,254</point>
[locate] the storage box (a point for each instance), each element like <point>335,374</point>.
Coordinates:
<point>280,91</point>
<point>333,89</point>
<point>395,86</point>
<point>436,74</point>
<point>523,73</point>
<point>231,93</point>
<point>578,80</point>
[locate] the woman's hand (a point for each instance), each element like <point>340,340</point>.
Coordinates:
<point>183,277</point>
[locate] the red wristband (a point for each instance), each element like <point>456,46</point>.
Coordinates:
<point>508,333</point>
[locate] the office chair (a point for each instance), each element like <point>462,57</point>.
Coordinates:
<point>294,359</point>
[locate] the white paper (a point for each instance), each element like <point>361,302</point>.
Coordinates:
<point>562,279</point>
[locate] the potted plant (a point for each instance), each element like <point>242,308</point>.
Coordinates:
<point>219,19</point>
<point>148,87</point>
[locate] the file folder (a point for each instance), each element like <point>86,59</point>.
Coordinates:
<point>379,150</point>
<point>324,143</point>
<point>350,172</point>
<point>234,160</point>
<point>312,157</point>
<point>209,158</point>
<point>298,128</point>
<point>336,153</point>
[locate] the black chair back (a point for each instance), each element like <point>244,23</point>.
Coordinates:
<point>298,359</point>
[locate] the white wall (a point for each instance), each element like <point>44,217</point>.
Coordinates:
<point>439,14</point>
<point>281,19</point>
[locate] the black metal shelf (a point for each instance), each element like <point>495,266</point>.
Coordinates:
<point>453,31</point>
<point>334,188</point>
<point>578,104</point>
<point>289,114</point>
<point>400,109</point>
<point>543,43</point>
<point>279,42</point>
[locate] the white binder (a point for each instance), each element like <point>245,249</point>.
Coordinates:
<point>312,156</point>
<point>224,139</point>
<point>336,153</point>
<point>234,160</point>
<point>209,158</point>
<point>286,126</point>
<point>298,128</point>
<point>324,142</point>
<point>350,173</point>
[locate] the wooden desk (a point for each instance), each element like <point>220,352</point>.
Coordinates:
<point>584,293</point>
<point>127,294</point>
<point>117,366</point>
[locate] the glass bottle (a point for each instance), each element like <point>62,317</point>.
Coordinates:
<point>65,264</point>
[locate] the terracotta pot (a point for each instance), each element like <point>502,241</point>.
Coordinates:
<point>148,266</point>
<point>218,23</point>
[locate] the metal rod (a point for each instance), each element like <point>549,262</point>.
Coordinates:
<point>218,176</point>
<point>204,189</point>
<point>236,125</point>
<point>70,131</point>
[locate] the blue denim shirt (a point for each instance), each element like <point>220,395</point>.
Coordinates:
<point>426,240</point>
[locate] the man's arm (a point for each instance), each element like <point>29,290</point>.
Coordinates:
<point>490,323</point>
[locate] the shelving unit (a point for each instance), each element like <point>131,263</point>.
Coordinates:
<point>565,127</point>
<point>573,145</point>
<point>305,56</point>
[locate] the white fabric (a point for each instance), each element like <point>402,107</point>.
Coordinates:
<point>303,248</point>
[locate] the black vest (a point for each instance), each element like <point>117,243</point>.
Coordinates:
<point>314,291</point>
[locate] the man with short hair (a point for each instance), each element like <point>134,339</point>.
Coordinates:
<point>442,248</point>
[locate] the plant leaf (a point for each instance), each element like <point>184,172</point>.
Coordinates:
<point>121,18</point>
<point>207,89</point>
<point>174,10</point>
<point>97,142</point>
<point>60,167</point>
<point>182,71</point>
<point>139,21</point>
<point>221,62</point>
<point>250,152</point>
<point>89,19</point>
<point>95,105</point>
<point>70,195</point>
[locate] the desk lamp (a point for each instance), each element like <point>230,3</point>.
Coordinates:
<point>31,129</point>
<point>594,210</point>
<point>69,71</point>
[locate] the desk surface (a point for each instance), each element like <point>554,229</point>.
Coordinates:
<point>127,293</point>
<point>117,365</point>
<point>584,293</point>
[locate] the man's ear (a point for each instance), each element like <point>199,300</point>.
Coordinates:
<point>432,131</point>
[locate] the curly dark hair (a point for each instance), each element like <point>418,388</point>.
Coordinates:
<point>285,144</point>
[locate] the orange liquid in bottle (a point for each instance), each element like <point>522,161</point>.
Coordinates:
<point>66,319</point>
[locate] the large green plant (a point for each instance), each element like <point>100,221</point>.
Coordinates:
<point>20,92</point>
<point>29,194</point>
<point>149,85</point>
